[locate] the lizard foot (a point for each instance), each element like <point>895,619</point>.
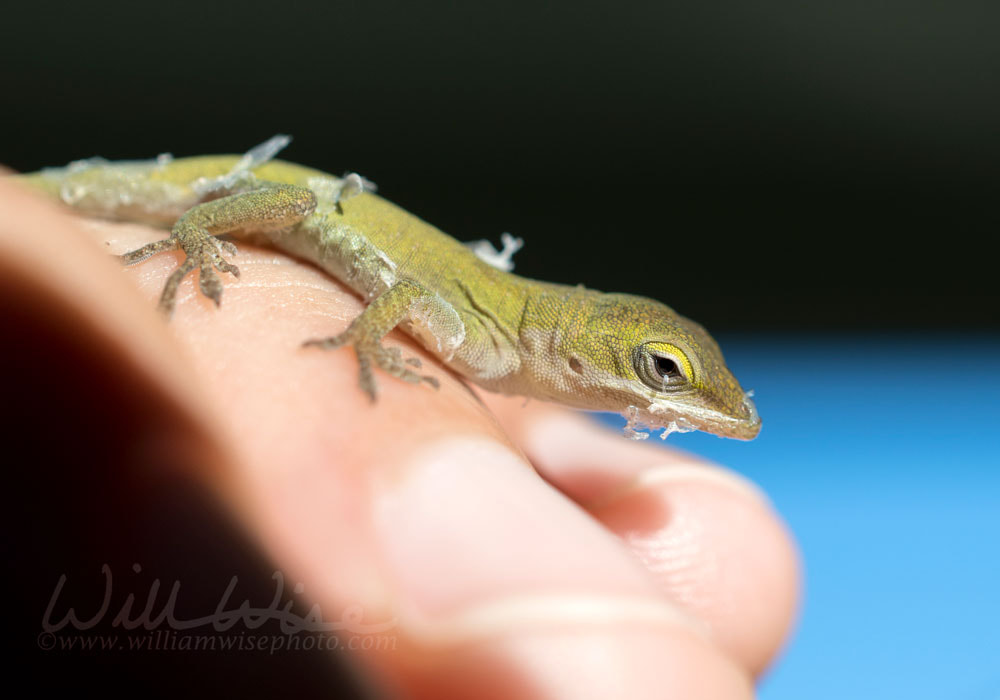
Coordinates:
<point>269,207</point>
<point>388,359</point>
<point>202,250</point>
<point>406,300</point>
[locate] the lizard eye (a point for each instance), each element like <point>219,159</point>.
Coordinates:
<point>666,368</point>
<point>662,366</point>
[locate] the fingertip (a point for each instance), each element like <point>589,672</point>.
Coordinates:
<point>499,577</point>
<point>710,537</point>
<point>725,558</point>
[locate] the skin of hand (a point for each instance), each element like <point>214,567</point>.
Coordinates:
<point>523,550</point>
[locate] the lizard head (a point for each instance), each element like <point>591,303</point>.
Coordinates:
<point>659,369</point>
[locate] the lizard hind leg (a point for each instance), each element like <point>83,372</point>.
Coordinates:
<point>268,207</point>
<point>402,302</point>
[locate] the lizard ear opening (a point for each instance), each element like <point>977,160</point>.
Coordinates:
<point>575,365</point>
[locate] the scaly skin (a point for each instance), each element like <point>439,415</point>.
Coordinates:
<point>576,346</point>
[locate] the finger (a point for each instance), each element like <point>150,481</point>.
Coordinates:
<point>61,289</point>
<point>709,536</point>
<point>455,536</point>
<point>418,509</point>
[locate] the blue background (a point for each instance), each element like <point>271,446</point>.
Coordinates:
<point>883,455</point>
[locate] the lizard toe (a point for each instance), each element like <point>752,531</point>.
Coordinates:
<point>367,377</point>
<point>329,343</point>
<point>209,282</point>
<point>147,251</point>
<point>227,247</point>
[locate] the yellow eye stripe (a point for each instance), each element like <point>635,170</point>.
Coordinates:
<point>676,353</point>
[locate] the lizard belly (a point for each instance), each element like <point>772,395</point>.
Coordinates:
<point>340,250</point>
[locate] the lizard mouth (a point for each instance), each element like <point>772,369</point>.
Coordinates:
<point>674,418</point>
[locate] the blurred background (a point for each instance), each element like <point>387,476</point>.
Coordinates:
<point>813,181</point>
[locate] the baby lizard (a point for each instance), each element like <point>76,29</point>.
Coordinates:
<point>505,333</point>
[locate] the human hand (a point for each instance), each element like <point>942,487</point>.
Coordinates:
<point>525,551</point>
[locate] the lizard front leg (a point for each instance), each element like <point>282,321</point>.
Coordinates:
<point>267,207</point>
<point>425,314</point>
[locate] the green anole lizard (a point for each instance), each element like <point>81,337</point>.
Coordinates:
<point>505,333</point>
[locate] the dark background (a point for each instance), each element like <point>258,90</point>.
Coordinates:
<point>761,166</point>
<point>757,165</point>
